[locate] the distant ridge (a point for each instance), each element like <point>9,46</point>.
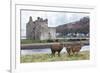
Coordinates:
<point>81,25</point>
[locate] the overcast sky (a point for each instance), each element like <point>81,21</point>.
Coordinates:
<point>54,18</point>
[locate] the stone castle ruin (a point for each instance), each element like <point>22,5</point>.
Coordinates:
<point>39,30</point>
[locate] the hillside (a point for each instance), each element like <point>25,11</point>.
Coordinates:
<point>78,26</point>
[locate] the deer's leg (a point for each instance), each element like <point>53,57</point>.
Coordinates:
<point>68,51</point>
<point>73,51</point>
<point>59,53</point>
<point>53,53</point>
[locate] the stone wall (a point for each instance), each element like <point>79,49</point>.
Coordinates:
<point>39,29</point>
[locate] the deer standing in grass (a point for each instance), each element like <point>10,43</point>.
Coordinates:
<point>73,48</point>
<point>56,48</point>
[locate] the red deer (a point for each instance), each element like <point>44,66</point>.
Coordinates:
<point>56,48</point>
<point>74,48</point>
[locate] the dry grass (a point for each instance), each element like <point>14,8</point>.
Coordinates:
<point>85,55</point>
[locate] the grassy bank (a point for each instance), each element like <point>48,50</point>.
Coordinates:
<point>48,58</point>
<point>30,41</point>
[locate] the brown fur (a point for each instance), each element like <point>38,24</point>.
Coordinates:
<point>56,48</point>
<point>74,48</point>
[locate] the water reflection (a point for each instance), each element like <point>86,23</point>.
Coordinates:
<point>46,50</point>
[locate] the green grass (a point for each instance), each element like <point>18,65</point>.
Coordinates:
<point>29,41</point>
<point>48,58</point>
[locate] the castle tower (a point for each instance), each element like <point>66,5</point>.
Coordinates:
<point>38,29</point>
<point>29,28</point>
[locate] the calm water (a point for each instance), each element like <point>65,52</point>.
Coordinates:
<point>47,50</point>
